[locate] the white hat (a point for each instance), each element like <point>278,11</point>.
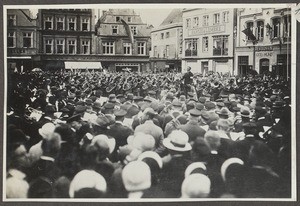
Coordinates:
<point>46,130</point>
<point>177,141</point>
<point>142,142</point>
<point>136,176</point>
<point>153,155</point>
<point>227,163</point>
<point>87,179</point>
<point>194,166</point>
<point>111,142</point>
<point>195,186</point>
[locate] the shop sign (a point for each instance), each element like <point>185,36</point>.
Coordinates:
<point>263,48</point>
<point>264,54</point>
<point>206,30</point>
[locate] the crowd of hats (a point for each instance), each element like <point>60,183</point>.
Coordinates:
<point>130,135</point>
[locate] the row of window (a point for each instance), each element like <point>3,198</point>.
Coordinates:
<point>217,19</point>
<point>27,39</point>
<point>69,23</point>
<point>166,52</point>
<point>281,27</point>
<point>128,19</point>
<point>109,48</point>
<point>69,46</point>
<point>220,46</point>
<point>115,30</point>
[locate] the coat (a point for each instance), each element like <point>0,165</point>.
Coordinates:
<point>193,130</point>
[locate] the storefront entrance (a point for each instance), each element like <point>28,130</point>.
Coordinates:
<point>127,67</point>
<point>264,65</point>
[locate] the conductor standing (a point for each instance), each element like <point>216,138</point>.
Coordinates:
<point>187,80</point>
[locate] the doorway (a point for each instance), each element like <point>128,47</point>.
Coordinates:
<point>264,66</point>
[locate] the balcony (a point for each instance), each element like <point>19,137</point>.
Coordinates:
<point>190,53</point>
<point>220,51</point>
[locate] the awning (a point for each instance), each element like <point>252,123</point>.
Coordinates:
<point>83,65</point>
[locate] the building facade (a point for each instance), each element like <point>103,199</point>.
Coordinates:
<point>66,35</point>
<point>22,41</point>
<point>208,36</point>
<point>271,50</point>
<point>123,41</point>
<point>166,43</point>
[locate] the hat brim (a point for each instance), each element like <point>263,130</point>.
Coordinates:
<point>167,143</point>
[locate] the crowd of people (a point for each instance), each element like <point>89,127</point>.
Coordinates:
<point>87,134</point>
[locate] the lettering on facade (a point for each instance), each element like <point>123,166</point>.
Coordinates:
<point>263,48</point>
<point>264,54</point>
<point>206,30</point>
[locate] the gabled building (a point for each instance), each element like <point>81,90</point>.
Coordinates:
<point>123,41</point>
<point>166,43</point>
<point>208,36</point>
<point>270,48</point>
<point>66,38</point>
<point>22,41</point>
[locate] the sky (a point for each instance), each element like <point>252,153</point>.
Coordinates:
<point>149,16</point>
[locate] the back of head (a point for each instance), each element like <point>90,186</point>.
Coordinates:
<point>223,125</point>
<point>213,139</point>
<point>196,186</point>
<point>51,145</point>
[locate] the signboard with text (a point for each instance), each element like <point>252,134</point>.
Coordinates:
<point>206,30</point>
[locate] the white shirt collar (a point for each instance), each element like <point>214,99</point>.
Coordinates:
<point>47,158</point>
<point>17,174</point>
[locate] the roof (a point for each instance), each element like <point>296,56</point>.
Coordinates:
<point>174,17</point>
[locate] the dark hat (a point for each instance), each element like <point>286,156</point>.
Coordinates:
<point>65,109</point>
<point>207,95</point>
<point>202,100</point>
<point>224,96</point>
<point>205,115</point>
<point>195,112</point>
<point>93,98</point>
<point>119,96</point>
<point>260,110</point>
<point>50,109</point>
<point>80,109</point>
<point>78,93</point>
<point>129,96</point>
<point>112,98</point>
<point>223,112</point>
<point>89,102</point>
<point>120,113</point>
<point>97,105</point>
<point>82,103</point>
<point>176,103</point>
<point>190,94</point>
<point>209,105</point>
<point>137,98</point>
<point>273,98</point>
<point>236,109</point>
<point>101,121</point>
<point>108,105</point>
<point>233,104</point>
<point>76,117</point>
<point>227,103</point>
<point>199,106</point>
<point>245,113</point>
<point>220,104</point>
<point>170,96</point>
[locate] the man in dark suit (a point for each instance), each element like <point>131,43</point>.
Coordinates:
<point>192,127</point>
<point>118,130</point>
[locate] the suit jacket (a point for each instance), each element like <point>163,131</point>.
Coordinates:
<point>150,128</point>
<point>193,130</point>
<point>120,133</point>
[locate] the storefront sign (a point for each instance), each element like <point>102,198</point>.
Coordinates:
<point>206,30</point>
<point>263,48</point>
<point>264,54</point>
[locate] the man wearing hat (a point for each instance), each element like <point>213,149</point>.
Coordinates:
<point>187,80</point>
<point>148,127</point>
<point>210,108</point>
<point>173,171</point>
<point>245,117</point>
<point>118,130</point>
<point>192,127</point>
<point>49,115</point>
